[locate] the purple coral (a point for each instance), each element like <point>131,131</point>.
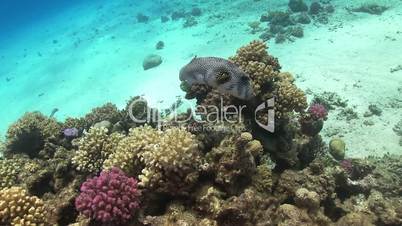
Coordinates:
<point>318,111</point>
<point>111,198</point>
<point>70,132</point>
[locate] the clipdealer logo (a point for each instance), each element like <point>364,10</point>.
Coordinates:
<point>139,112</point>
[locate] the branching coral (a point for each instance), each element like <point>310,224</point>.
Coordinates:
<point>267,82</point>
<point>171,164</point>
<point>288,97</point>
<point>111,198</point>
<point>18,208</point>
<point>126,154</point>
<point>94,148</point>
<point>9,170</point>
<point>30,132</point>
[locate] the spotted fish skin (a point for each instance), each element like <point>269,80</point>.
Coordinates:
<point>205,70</point>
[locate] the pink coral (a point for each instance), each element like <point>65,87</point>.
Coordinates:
<point>111,198</point>
<point>318,111</point>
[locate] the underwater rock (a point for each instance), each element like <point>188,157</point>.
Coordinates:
<point>280,38</point>
<point>160,45</point>
<point>315,8</point>
<point>275,29</point>
<point>370,8</point>
<point>151,61</point>
<point>164,19</point>
<point>398,128</point>
<point>347,114</point>
<point>107,112</point>
<point>190,22</point>
<point>298,6</point>
<point>337,148</point>
<point>303,18</point>
<point>280,18</point>
<point>141,18</point>
<point>196,11</point>
<point>375,110</point>
<point>296,31</point>
<point>105,124</point>
<point>255,26</point>
<point>176,15</point>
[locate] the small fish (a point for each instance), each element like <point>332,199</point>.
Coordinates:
<point>218,73</point>
<point>53,112</point>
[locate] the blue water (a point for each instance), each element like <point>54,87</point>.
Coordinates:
<point>17,14</point>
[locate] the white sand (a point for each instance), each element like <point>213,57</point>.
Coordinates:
<point>100,48</point>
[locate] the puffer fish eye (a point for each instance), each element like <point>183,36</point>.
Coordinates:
<point>222,77</point>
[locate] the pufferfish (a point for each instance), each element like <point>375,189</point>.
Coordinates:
<point>219,74</point>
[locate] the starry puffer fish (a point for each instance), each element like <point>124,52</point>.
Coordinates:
<point>218,73</point>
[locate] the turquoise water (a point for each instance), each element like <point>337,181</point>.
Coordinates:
<point>77,55</point>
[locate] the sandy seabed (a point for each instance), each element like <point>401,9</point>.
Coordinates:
<point>92,53</point>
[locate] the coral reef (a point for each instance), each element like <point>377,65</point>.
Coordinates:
<point>94,148</point>
<point>288,25</point>
<point>198,172</point>
<point>370,9</point>
<point>18,208</point>
<point>9,170</point>
<point>111,198</point>
<point>29,134</point>
<point>172,163</point>
<point>107,112</point>
<point>233,161</point>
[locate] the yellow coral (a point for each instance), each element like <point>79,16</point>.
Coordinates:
<point>17,208</point>
<point>9,169</point>
<point>288,98</point>
<point>94,148</point>
<point>126,154</point>
<point>172,163</point>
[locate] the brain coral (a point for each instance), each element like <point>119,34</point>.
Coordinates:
<point>111,198</point>
<point>17,208</point>
<point>30,132</point>
<point>94,148</point>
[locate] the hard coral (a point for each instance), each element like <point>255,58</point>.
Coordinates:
<point>9,170</point>
<point>233,161</point>
<point>318,111</point>
<point>288,97</point>
<point>18,208</point>
<point>111,198</point>
<point>107,112</point>
<point>94,148</point>
<point>30,132</point>
<point>126,154</point>
<point>171,163</point>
